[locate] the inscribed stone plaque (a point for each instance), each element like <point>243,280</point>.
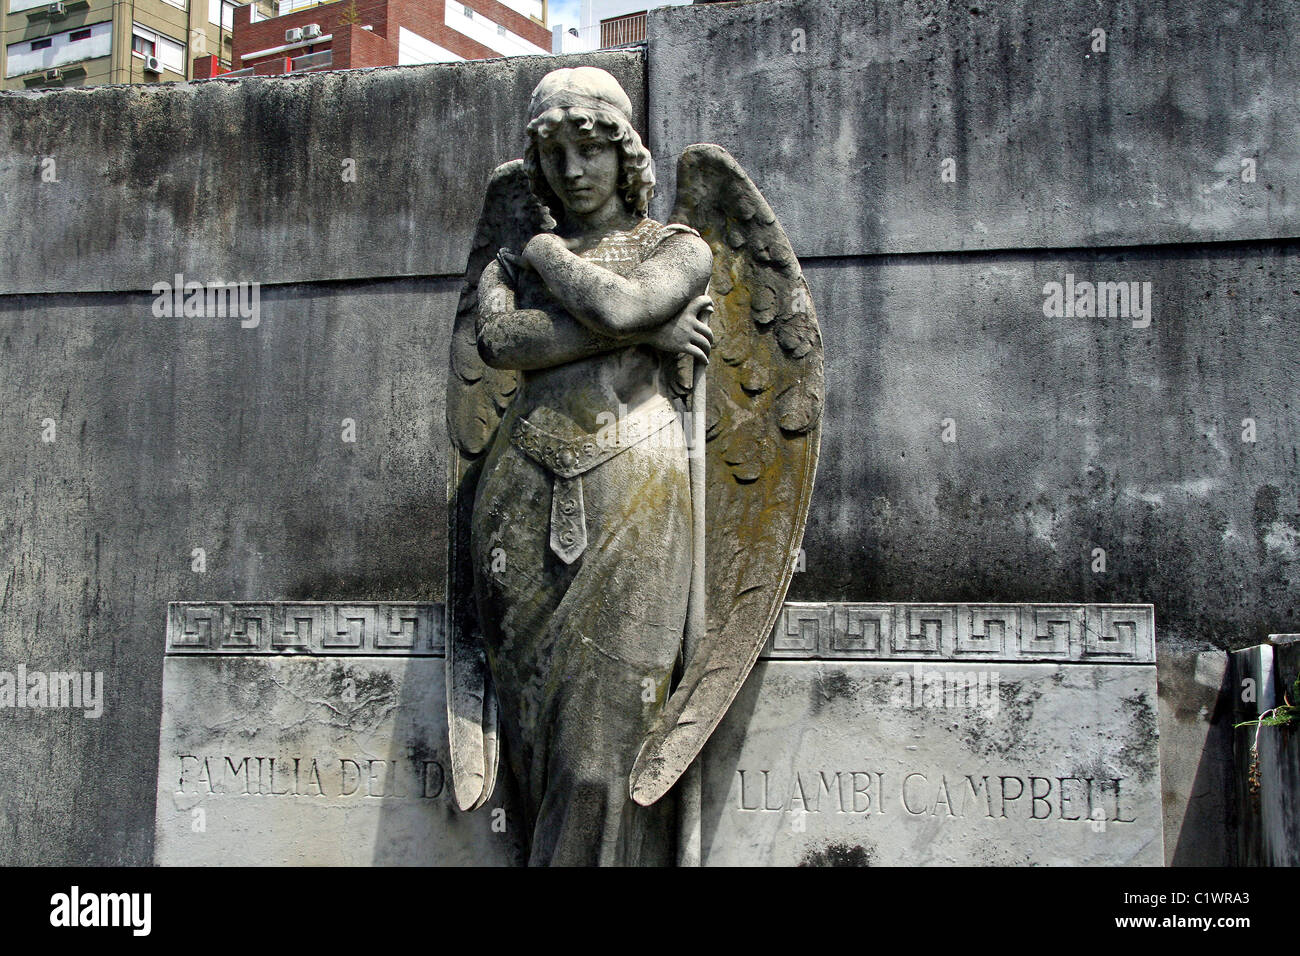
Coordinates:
<point>910,734</point>
<point>312,734</point>
<point>868,734</point>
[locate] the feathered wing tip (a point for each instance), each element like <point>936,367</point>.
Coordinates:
<point>477,396</point>
<point>763,434</point>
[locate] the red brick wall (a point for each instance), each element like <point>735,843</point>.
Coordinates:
<point>206,67</point>
<point>529,29</point>
<point>250,37</point>
<point>424,17</point>
<point>428,18</point>
<point>355,48</point>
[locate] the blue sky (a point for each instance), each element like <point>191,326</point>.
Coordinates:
<point>565,12</point>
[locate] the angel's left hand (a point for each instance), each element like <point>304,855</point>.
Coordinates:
<point>689,333</point>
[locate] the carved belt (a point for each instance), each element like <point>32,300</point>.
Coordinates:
<point>568,458</point>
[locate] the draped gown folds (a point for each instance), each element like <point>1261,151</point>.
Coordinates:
<point>581,549</point>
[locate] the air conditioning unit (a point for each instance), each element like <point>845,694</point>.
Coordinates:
<point>152,65</point>
<point>54,76</point>
<point>293,36</point>
<point>311,31</point>
<point>56,10</point>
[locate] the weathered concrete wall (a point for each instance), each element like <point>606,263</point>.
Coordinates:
<point>1071,433</point>
<point>244,181</point>
<point>173,435</point>
<point>1196,772</point>
<point>846,109</point>
<point>176,434</point>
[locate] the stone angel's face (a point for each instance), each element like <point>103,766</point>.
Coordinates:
<point>581,169</point>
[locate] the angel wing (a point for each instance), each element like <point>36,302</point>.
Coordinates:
<point>764,400</point>
<point>477,396</point>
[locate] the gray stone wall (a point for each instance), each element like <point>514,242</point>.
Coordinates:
<point>845,109</point>
<point>242,180</point>
<point>1071,433</point>
<point>176,434</point>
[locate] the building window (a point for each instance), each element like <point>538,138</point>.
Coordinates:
<point>484,29</point>
<point>170,53</point>
<point>59,49</point>
<point>221,13</point>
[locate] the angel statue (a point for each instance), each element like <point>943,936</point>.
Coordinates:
<point>598,626</point>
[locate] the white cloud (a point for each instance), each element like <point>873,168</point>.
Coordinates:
<point>564,12</point>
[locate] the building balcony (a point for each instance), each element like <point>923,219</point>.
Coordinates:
<point>622,31</point>
<point>312,61</point>
<point>609,34</point>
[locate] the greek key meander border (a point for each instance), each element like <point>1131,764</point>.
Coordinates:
<point>1066,633</point>
<point>992,633</point>
<point>307,628</point>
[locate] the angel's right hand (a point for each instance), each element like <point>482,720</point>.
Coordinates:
<point>689,333</point>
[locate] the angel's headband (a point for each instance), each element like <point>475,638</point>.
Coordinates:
<point>585,86</point>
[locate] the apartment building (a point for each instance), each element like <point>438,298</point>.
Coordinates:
<point>606,25</point>
<point>90,42</point>
<point>350,34</point>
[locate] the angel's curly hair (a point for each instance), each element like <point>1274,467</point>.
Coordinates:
<point>637,171</point>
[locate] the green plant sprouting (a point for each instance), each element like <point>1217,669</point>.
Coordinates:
<point>1282,715</point>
